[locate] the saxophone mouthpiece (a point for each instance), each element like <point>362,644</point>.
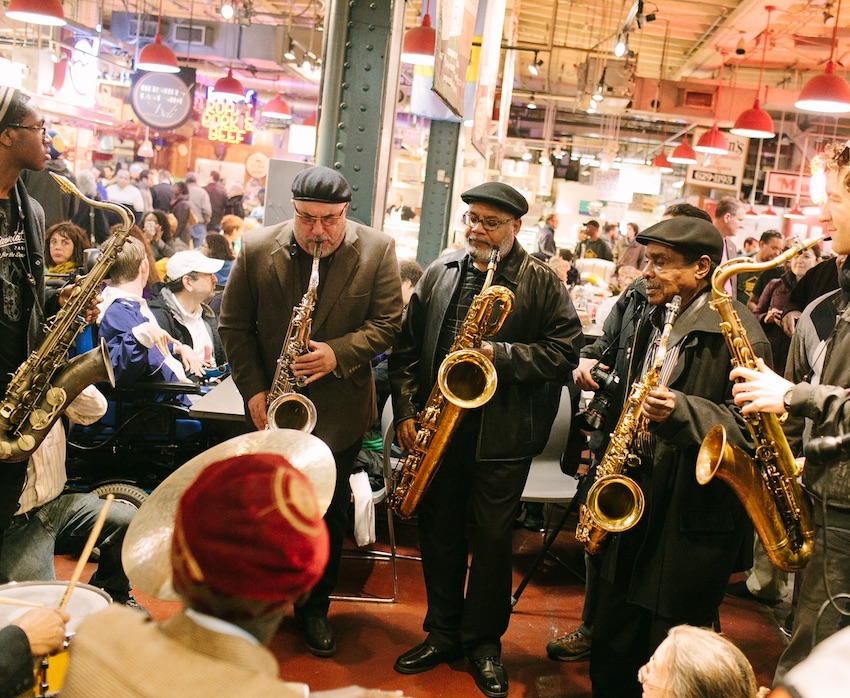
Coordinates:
<point>66,185</point>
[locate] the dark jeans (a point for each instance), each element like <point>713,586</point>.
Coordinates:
<point>336,518</point>
<point>12,478</point>
<point>62,526</point>
<point>477,619</point>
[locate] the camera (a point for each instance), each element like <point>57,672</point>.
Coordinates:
<point>594,414</point>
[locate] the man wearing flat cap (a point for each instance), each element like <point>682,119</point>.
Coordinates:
<point>672,567</point>
<point>356,317</point>
<point>487,460</point>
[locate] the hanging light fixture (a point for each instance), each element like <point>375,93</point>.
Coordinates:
<point>228,87</point>
<point>683,154</point>
<point>277,109</point>
<point>828,92</point>
<point>534,67</point>
<point>622,45</point>
<point>290,54</point>
<point>146,148</point>
<point>756,122</point>
<point>227,9</point>
<point>660,161</point>
<point>712,141</point>
<point>419,43</point>
<point>157,57</point>
<point>46,12</point>
<point>531,104</point>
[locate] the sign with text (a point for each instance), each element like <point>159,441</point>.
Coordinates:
<point>228,122</point>
<point>720,171</point>
<point>455,26</point>
<point>788,184</point>
<point>493,13</point>
<point>162,101</point>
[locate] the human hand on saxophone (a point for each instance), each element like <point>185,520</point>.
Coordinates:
<point>759,391</point>
<point>92,311</point>
<point>659,404</point>
<point>405,433</point>
<point>318,362</point>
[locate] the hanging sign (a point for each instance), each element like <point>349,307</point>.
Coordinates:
<point>162,101</point>
<point>227,122</point>
<point>720,171</point>
<point>788,184</point>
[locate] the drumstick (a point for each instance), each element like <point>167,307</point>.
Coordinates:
<point>17,602</point>
<point>84,556</point>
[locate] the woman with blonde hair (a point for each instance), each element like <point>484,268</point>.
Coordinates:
<point>698,663</point>
<point>232,228</point>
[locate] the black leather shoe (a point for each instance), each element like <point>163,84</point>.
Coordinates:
<point>740,591</point>
<point>490,677</point>
<point>423,658</point>
<point>318,636</point>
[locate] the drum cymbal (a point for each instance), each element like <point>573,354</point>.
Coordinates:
<point>146,553</point>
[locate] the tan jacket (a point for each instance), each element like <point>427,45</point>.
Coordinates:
<point>358,313</point>
<point>120,653</point>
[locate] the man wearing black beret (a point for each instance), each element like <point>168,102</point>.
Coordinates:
<point>487,460</point>
<point>672,567</point>
<point>357,316</point>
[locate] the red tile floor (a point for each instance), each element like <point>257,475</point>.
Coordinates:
<point>371,635</point>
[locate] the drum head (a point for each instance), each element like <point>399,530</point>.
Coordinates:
<point>146,552</point>
<point>85,600</point>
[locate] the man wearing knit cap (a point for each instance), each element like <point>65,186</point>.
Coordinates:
<point>672,567</point>
<point>357,316</point>
<point>487,460</point>
<point>24,305</point>
<point>248,538</point>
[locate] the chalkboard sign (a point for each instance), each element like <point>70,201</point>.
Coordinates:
<point>162,101</point>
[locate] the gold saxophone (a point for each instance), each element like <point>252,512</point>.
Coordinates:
<point>615,502</point>
<point>767,484</point>
<point>46,383</point>
<point>287,408</point>
<point>465,380</point>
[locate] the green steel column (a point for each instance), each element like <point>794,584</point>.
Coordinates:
<point>357,43</point>
<point>437,195</point>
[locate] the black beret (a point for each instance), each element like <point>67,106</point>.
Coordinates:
<point>321,184</point>
<point>592,224</point>
<point>502,196</point>
<point>694,234</point>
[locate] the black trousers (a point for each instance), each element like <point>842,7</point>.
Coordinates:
<point>12,476</point>
<point>624,638</point>
<point>490,492</point>
<point>336,518</point>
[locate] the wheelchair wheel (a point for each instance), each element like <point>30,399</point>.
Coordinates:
<point>124,491</point>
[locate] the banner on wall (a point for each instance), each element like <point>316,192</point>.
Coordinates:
<point>493,12</point>
<point>455,29</point>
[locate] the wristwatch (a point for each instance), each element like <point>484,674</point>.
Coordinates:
<point>786,399</point>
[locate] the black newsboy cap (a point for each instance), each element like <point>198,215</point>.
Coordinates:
<point>694,234</point>
<point>321,184</point>
<point>500,195</point>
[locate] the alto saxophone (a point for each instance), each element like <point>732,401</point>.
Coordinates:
<point>767,484</point>
<point>46,383</point>
<point>466,379</point>
<point>287,408</point>
<point>615,502</point>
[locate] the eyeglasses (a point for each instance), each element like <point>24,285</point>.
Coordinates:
<point>326,221</point>
<point>488,224</point>
<point>31,127</point>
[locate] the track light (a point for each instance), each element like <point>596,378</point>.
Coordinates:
<point>227,10</point>
<point>534,67</point>
<point>290,54</point>
<point>531,104</point>
<point>622,45</point>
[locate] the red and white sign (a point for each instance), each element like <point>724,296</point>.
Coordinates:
<point>720,171</point>
<point>788,184</point>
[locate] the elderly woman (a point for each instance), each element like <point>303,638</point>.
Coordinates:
<point>698,663</point>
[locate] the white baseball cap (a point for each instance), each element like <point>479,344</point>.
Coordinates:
<point>187,261</point>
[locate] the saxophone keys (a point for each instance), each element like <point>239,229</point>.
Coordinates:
<point>38,420</point>
<point>56,397</point>
<point>25,442</point>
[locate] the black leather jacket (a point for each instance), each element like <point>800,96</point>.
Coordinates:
<point>534,352</point>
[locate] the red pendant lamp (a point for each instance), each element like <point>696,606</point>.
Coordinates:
<point>157,57</point>
<point>756,122</point>
<point>660,161</point>
<point>712,141</point>
<point>277,109</point>
<point>45,12</point>
<point>420,42</point>
<point>683,154</point>
<point>228,87</point>
<point>828,92</point>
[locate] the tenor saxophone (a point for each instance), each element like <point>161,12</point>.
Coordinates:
<point>615,502</point>
<point>46,382</point>
<point>766,484</point>
<point>466,379</point>
<point>287,408</point>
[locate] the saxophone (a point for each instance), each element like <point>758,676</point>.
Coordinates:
<point>466,379</point>
<point>615,502</point>
<point>46,383</point>
<point>287,408</point>
<point>766,484</point>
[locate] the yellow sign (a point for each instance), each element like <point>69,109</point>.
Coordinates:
<point>226,123</point>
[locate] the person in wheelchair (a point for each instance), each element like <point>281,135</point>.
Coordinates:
<point>139,349</point>
<point>181,308</point>
<point>50,521</point>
